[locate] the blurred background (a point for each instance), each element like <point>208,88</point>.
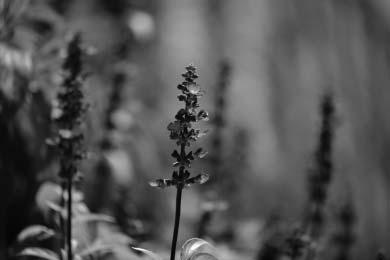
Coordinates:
<point>278,59</point>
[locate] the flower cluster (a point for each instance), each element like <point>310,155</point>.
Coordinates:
<point>182,131</point>
<point>68,110</point>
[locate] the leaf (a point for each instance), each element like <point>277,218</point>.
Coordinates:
<point>55,207</point>
<point>196,247</point>
<point>199,179</point>
<point>162,183</point>
<point>93,217</point>
<point>35,232</point>
<point>38,252</point>
<point>175,154</point>
<point>201,133</point>
<point>149,253</point>
<point>203,115</point>
<point>200,153</point>
<point>182,98</point>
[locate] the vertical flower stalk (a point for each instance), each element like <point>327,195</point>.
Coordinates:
<point>182,131</point>
<point>67,115</point>
<point>217,155</point>
<point>320,177</point>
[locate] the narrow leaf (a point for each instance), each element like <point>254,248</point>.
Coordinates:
<point>201,133</point>
<point>199,179</point>
<point>161,183</point>
<point>35,232</point>
<point>93,218</point>
<point>149,253</point>
<point>200,153</point>
<point>38,252</point>
<point>55,207</point>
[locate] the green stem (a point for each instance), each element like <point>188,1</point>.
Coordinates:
<point>177,222</point>
<point>69,219</point>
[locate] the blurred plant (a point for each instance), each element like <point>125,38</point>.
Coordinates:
<point>10,11</point>
<point>22,129</point>
<point>319,178</point>
<point>284,242</point>
<point>208,209</point>
<point>42,242</point>
<point>102,176</point>
<point>182,131</point>
<point>124,212</point>
<point>67,115</point>
<point>344,239</point>
<point>219,120</point>
<point>213,203</point>
<point>238,161</point>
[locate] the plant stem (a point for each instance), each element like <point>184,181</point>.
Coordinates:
<point>69,219</point>
<point>177,222</point>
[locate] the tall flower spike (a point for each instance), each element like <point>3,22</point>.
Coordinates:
<point>181,130</point>
<point>67,115</point>
<point>320,177</point>
<point>69,109</point>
